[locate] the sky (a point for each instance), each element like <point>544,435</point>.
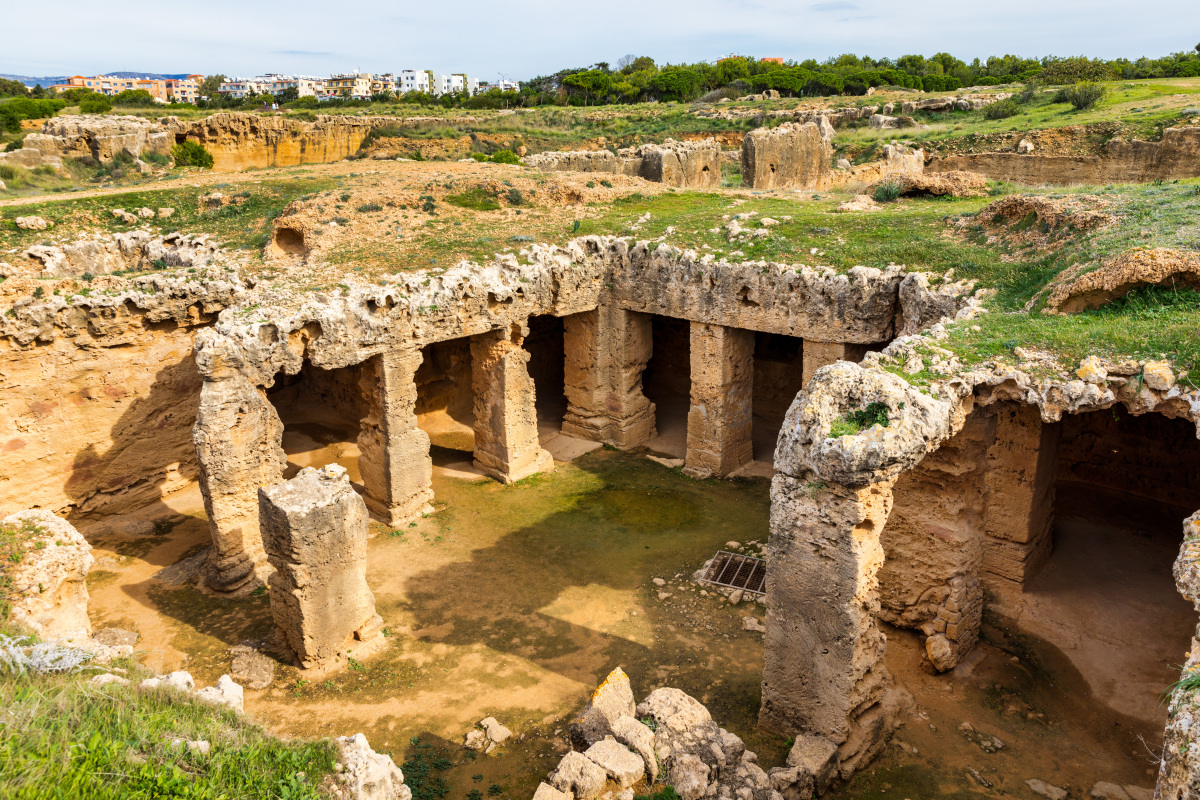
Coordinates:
<point>519,39</point>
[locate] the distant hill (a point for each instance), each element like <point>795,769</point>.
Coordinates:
<point>49,80</point>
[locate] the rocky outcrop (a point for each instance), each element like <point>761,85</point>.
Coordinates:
<point>367,775</point>
<point>103,137</point>
<point>953,184</point>
<point>101,390</point>
<point>102,254</point>
<point>48,591</point>
<point>1179,770</point>
<point>1176,156</point>
<point>898,161</point>
<point>1121,274</point>
<point>791,156</point>
<point>684,164</point>
<point>314,530</point>
<point>239,141</point>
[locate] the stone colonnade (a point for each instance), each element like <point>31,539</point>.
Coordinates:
<point>239,434</point>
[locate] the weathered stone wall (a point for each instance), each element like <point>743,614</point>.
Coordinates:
<point>241,141</point>
<point>778,374</point>
<point>98,396</point>
<point>1175,157</point>
<point>1124,453</point>
<point>934,541</point>
<point>792,156</point>
<point>444,380</point>
<point>102,137</point>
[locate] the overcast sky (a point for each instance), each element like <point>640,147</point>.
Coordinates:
<point>523,38</point>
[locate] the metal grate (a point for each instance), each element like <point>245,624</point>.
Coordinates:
<point>737,571</point>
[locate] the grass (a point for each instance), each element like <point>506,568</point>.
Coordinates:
<point>62,738</point>
<point>240,225</point>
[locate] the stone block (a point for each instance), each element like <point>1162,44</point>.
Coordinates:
<point>315,534</point>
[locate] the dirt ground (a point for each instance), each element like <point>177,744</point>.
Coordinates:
<point>514,601</point>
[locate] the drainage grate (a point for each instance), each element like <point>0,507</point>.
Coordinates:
<point>737,571</point>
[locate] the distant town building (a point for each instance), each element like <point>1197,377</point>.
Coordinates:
<point>504,86</point>
<point>355,85</point>
<point>165,90</point>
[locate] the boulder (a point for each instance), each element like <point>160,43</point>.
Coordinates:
<point>547,792</point>
<point>689,775</point>
<point>639,738</point>
<point>623,766</point>
<point>32,223</point>
<point>49,590</point>
<point>368,775</point>
<point>612,700</point>
<point>1025,146</point>
<point>225,693</point>
<point>180,681</point>
<point>579,775</point>
<point>1040,787</point>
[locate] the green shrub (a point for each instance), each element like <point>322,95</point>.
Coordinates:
<point>135,98</point>
<point>480,156</point>
<point>854,422</point>
<point>476,198</point>
<point>367,207</point>
<point>192,154</point>
<point>887,191</point>
<point>1002,110</point>
<point>15,144</point>
<point>1085,95</point>
<point>1074,70</point>
<point>95,105</point>
<point>514,197</point>
<point>505,157</point>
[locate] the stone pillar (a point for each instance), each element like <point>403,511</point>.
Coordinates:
<point>1179,770</point>
<point>1019,515</point>
<point>315,532</point>
<point>607,350</point>
<point>506,435</point>
<point>824,674</point>
<point>718,433</point>
<point>396,469</point>
<point>238,438</point>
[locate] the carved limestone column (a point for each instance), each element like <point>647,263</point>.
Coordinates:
<point>506,435</point>
<point>607,350</point>
<point>395,465</point>
<point>823,647</point>
<point>238,440</point>
<point>719,420</point>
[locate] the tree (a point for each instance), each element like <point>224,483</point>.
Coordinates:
<point>8,87</point>
<point>639,64</point>
<point>210,85</point>
<point>592,83</point>
<point>289,95</point>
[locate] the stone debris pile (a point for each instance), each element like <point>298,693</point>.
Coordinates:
<point>669,737</point>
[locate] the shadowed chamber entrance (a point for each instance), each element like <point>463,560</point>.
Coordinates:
<point>778,377</point>
<point>445,401</point>
<point>320,410</point>
<point>1106,595</point>
<point>547,361</point>
<point>667,382</point>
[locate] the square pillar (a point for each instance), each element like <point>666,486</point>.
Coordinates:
<point>720,417</point>
<point>824,673</point>
<point>395,465</point>
<point>239,447</point>
<point>1019,516</point>
<point>506,435</point>
<point>607,350</point>
<point>314,529</point>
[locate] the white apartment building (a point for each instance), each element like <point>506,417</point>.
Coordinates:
<point>414,80</point>
<point>504,86</point>
<point>244,87</point>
